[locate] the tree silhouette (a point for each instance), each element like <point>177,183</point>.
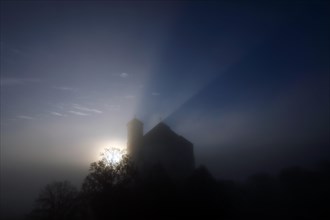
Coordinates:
<point>56,200</point>
<point>106,191</point>
<point>106,174</point>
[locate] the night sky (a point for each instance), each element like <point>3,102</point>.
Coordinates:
<point>247,84</point>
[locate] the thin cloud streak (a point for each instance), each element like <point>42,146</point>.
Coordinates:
<point>82,108</point>
<point>124,75</point>
<point>78,113</point>
<point>64,88</point>
<point>130,97</point>
<point>25,117</point>
<point>57,114</point>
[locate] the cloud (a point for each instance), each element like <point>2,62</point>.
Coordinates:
<point>130,97</point>
<point>82,108</point>
<point>155,94</point>
<point>64,88</point>
<point>57,114</point>
<point>123,75</point>
<point>78,113</point>
<point>17,81</point>
<point>25,117</point>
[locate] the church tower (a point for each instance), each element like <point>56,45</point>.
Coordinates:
<point>134,137</point>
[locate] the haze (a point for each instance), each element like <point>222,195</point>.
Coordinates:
<point>247,84</point>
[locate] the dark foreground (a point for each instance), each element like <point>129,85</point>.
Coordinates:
<point>121,193</point>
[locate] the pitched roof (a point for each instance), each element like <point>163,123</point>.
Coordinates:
<point>163,130</point>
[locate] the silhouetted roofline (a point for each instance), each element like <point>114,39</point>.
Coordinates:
<point>157,126</point>
<point>184,139</point>
<point>162,124</point>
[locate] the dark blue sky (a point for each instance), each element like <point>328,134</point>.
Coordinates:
<point>247,83</point>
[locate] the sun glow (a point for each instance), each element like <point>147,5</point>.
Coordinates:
<point>113,156</point>
<point>110,151</point>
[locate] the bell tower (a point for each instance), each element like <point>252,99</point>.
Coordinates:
<point>134,136</point>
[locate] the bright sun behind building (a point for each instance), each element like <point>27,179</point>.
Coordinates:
<point>112,155</point>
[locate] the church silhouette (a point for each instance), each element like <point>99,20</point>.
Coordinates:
<point>160,147</point>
